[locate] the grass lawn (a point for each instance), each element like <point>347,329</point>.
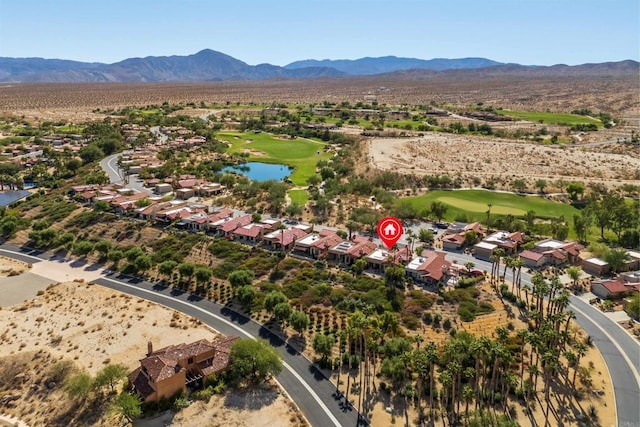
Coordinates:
<point>551,118</point>
<point>69,129</point>
<point>301,154</point>
<point>147,113</point>
<point>299,197</point>
<point>474,204</point>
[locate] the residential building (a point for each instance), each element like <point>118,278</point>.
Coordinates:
<point>613,289</point>
<point>348,251</point>
<point>250,233</point>
<point>595,266</point>
<point>532,259</point>
<point>430,268</point>
<point>317,245</point>
<point>484,250</point>
<point>167,371</point>
<point>283,239</point>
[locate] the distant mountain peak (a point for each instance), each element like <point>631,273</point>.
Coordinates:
<point>387,64</point>
<point>211,65</point>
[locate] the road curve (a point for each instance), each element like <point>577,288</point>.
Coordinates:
<point>311,390</point>
<point>306,385</point>
<point>620,351</point>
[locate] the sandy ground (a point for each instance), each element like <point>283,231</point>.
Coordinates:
<point>11,267</point>
<point>485,325</point>
<point>262,407</point>
<point>94,326</point>
<point>485,157</point>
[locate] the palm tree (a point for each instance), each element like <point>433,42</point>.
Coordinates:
<point>467,394</point>
<point>549,364</point>
<point>581,350</point>
<point>522,335</point>
<point>446,380</point>
<point>342,335</point>
<point>420,365</point>
<point>511,383</point>
<point>516,265</point>
<point>411,238</point>
<point>574,275</point>
<point>617,259</point>
<point>358,324</point>
<point>533,376</point>
<point>507,264</point>
<point>352,226</point>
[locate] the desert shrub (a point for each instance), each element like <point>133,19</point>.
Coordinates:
<point>469,281</point>
<point>427,317</point>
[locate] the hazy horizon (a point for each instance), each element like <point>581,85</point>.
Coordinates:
<point>528,32</point>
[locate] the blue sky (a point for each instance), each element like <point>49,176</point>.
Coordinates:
<point>542,32</point>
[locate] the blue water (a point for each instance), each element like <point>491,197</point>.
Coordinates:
<point>8,197</point>
<point>257,171</point>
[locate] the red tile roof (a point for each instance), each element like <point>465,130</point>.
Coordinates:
<point>327,241</point>
<point>533,256</point>
<point>454,238</point>
<point>253,231</point>
<point>233,223</point>
<point>362,249</point>
<point>615,286</point>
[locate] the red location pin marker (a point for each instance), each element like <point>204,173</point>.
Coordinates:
<point>389,230</point>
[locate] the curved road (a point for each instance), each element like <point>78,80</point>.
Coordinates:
<point>110,165</point>
<point>306,385</point>
<point>620,351</point>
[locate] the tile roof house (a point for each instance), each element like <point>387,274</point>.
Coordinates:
<point>163,373</point>
<point>595,266</point>
<point>250,233</point>
<point>317,245</point>
<point>553,249</point>
<point>430,267</point>
<point>532,259</point>
<point>453,242</point>
<point>283,239</point>
<point>225,226</point>
<point>613,289</point>
<point>455,236</point>
<point>381,258</point>
<point>348,251</point>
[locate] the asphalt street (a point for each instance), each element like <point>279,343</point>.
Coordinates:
<point>620,351</point>
<point>315,394</point>
<point>302,380</point>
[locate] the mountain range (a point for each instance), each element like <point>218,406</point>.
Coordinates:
<point>209,65</point>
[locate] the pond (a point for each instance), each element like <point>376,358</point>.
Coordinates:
<point>8,197</point>
<point>257,171</point>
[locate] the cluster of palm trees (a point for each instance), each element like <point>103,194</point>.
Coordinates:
<point>467,374</point>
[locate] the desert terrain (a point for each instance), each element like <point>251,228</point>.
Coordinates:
<point>469,157</point>
<point>63,324</point>
<point>615,94</point>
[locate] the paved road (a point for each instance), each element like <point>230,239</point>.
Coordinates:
<point>620,351</point>
<point>110,165</point>
<point>307,386</point>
